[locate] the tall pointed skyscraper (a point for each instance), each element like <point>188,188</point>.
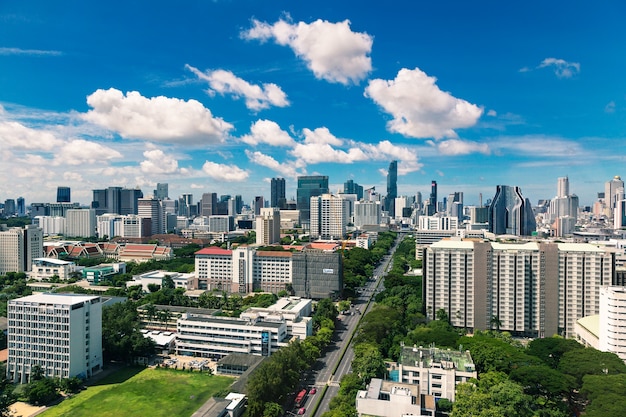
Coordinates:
<point>392,186</point>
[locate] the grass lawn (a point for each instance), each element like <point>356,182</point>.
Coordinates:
<point>143,392</point>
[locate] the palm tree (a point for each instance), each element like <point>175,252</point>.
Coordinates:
<point>495,321</point>
<point>151,312</point>
<point>164,317</point>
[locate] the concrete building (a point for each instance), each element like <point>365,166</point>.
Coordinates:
<point>393,399</point>
<point>46,268</point>
<point>80,223</point>
<point>436,371</point>
<point>438,223</point>
<point>309,186</point>
<point>59,332</point>
<point>268,226</point>
<point>367,213</point>
<point>294,311</point>
<point>19,248</point>
<point>185,281</point>
<point>612,337</point>
<point>151,208</point>
<point>50,225</point>
<point>329,217</point>
<point>529,289</point>
<point>311,273</point>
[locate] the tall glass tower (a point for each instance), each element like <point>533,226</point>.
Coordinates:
<point>63,195</point>
<point>277,195</point>
<point>392,187</point>
<point>309,186</point>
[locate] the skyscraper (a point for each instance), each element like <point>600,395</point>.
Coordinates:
<point>432,200</point>
<point>259,203</point>
<point>309,186</point>
<point>562,187</point>
<point>151,208</point>
<point>116,200</point>
<point>510,213</point>
<point>21,206</point>
<point>277,195</point>
<point>161,192</point>
<point>611,191</point>
<point>392,187</point>
<point>63,195</point>
<point>268,226</point>
<point>351,187</point>
<point>208,204</point>
<point>328,217</point>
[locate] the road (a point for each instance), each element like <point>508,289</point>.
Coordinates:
<point>322,374</point>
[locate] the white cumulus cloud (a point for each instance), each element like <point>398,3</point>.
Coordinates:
<point>80,151</point>
<point>562,68</point>
<point>223,172</point>
<point>462,147</point>
<point>14,135</point>
<point>286,169</point>
<point>331,50</point>
<point>157,162</point>
<point>419,108</point>
<point>256,97</point>
<point>321,135</point>
<point>158,118</point>
<point>267,131</point>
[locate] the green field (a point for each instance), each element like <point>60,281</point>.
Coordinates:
<point>143,392</point>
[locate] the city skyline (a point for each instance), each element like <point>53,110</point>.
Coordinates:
<point>221,97</point>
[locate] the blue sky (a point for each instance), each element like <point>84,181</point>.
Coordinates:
<point>220,96</point>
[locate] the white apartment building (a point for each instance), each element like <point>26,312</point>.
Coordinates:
<point>50,225</point>
<point>151,208</point>
<point>19,247</point>
<point>329,217</point>
<point>80,222</point>
<point>531,289</point>
<point>59,332</point>
<point>392,399</point>
<point>294,311</point>
<point>367,213</point>
<point>111,225</point>
<point>438,223</point>
<point>436,371</point>
<point>268,226</point>
<point>612,337</point>
<point>220,223</point>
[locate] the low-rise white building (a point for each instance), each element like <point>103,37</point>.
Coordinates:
<point>295,311</point>
<point>46,268</point>
<point>393,399</point>
<point>436,371</point>
<point>186,281</point>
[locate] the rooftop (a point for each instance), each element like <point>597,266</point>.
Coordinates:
<point>412,356</point>
<point>49,298</point>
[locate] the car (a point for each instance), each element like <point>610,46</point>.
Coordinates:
<point>301,411</point>
<point>313,391</point>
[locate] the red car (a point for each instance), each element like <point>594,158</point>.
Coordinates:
<point>301,411</point>
<point>313,391</point>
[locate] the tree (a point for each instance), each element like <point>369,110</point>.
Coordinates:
<point>368,363</point>
<point>272,409</point>
<point>495,322</point>
<point>605,394</point>
<point>164,317</point>
<point>541,380</point>
<point>151,312</point>
<point>122,339</point>
<point>551,349</point>
<point>590,361</point>
<point>41,392</point>
<point>6,396</point>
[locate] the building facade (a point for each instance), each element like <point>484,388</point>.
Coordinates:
<point>309,186</point>
<point>19,248</point>
<point>510,213</point>
<point>268,226</point>
<point>328,217</point>
<point>61,333</point>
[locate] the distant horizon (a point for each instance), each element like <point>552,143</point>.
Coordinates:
<point>221,96</point>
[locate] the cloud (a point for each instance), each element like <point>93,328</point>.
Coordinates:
<point>385,150</point>
<point>321,135</point>
<point>419,108</point>
<point>536,145</point>
<point>267,131</point>
<point>222,172</point>
<point>157,118</point>
<point>256,97</point>
<point>492,113</point>
<point>287,169</point>
<point>610,107</point>
<point>80,151</point>
<point>562,68</point>
<point>461,147</point>
<point>14,135</point>
<point>157,162</point>
<point>31,52</point>
<point>331,50</point>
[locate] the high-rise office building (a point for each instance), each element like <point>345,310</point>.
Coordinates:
<point>268,226</point>
<point>351,187</point>
<point>21,207</point>
<point>309,186</point>
<point>432,200</point>
<point>612,189</point>
<point>277,195</point>
<point>18,248</point>
<point>510,213</point>
<point>367,213</point>
<point>562,187</point>
<point>328,217</point>
<point>238,204</point>
<point>70,345</point>
<point>562,211</point>
<point>259,203</point>
<point>151,208</point>
<point>392,187</point>
<point>63,195</point>
<point>116,200</point>
<point>208,204</point>
<point>161,192</point>
<point>9,207</point>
